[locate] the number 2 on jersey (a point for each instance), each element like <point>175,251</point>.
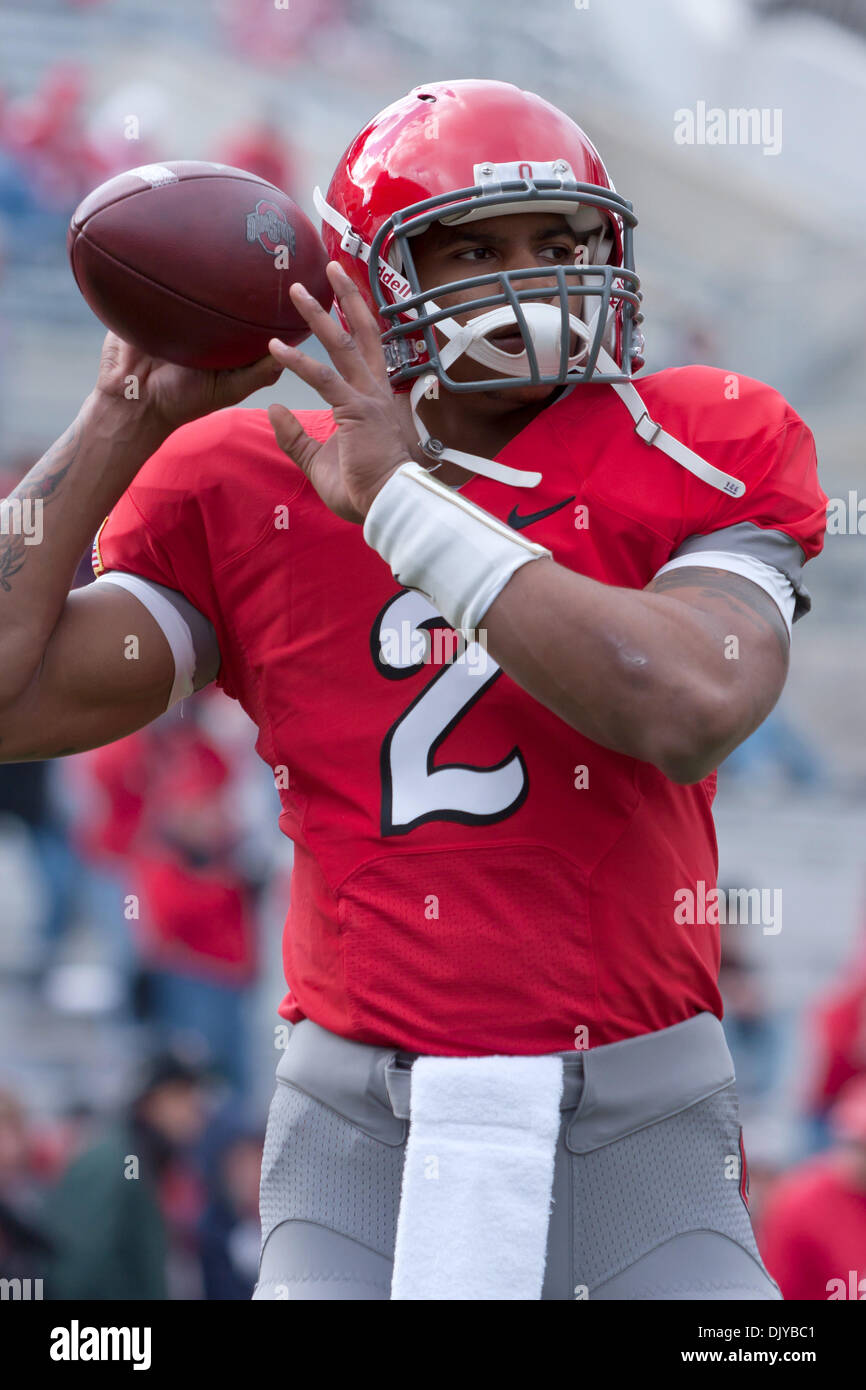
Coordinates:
<point>414,790</point>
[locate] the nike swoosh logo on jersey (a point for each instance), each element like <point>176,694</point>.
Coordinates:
<point>520,523</point>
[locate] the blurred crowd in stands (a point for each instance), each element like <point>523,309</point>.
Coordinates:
<point>145,840</point>
<point>809,1216</point>
<point>159,1201</point>
<point>52,153</point>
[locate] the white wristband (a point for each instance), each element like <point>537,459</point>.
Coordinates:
<point>456,554</point>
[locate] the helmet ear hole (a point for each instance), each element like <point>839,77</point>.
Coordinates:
<point>599,247</point>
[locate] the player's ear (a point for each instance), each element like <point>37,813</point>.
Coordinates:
<point>424,244</point>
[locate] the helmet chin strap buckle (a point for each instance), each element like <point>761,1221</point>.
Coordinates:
<point>351,243</point>
<point>471,463</point>
<point>647,429</point>
<point>434,449</point>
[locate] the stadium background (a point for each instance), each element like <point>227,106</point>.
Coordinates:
<point>750,260</point>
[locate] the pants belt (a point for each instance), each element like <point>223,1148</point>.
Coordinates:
<point>613,1090</point>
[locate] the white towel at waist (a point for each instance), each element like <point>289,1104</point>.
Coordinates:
<point>477,1180</point>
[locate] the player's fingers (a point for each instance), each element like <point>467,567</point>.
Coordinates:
<point>324,379</point>
<point>340,346</point>
<point>292,437</point>
<point>236,384</point>
<point>361,321</point>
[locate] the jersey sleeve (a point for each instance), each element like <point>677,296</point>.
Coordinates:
<point>769,577</point>
<point>158,529</point>
<point>781,518</point>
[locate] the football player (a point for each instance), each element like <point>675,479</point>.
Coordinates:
<point>498,613</point>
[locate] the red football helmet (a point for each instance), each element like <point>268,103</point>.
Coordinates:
<point>456,151</point>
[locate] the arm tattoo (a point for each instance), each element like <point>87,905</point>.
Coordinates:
<point>740,596</point>
<point>42,484</point>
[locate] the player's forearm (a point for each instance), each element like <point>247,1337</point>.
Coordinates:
<point>630,670</point>
<point>50,519</point>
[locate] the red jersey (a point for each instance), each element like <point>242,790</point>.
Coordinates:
<point>471,874</point>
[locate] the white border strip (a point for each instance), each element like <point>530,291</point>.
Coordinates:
<point>174,628</point>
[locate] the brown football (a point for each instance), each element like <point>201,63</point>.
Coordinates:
<point>192,262</point>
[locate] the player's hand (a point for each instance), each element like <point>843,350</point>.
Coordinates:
<point>370,442</point>
<point>164,395</point>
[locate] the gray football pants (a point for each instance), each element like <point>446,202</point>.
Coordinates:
<point>647,1191</point>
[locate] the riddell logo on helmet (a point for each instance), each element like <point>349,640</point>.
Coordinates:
<point>391,280</point>
<point>268,226</point>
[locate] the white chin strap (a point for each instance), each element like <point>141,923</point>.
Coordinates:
<point>544,323</point>
<point>645,428</point>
